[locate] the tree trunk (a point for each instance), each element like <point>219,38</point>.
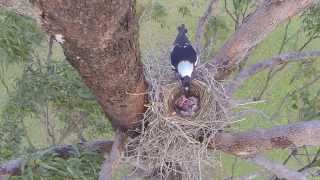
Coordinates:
<point>99,39</point>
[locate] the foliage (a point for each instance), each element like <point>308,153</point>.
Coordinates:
<point>59,92</point>
<point>241,6</point>
<point>11,137</point>
<point>18,36</point>
<point>306,100</point>
<point>152,10</point>
<point>239,10</point>
<point>213,27</point>
<point>56,86</point>
<point>50,93</point>
<point>158,13</point>
<point>311,21</point>
<point>184,11</point>
<point>81,165</point>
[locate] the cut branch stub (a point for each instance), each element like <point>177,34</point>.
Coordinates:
<point>99,39</point>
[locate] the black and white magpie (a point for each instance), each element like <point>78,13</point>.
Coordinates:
<point>184,58</point>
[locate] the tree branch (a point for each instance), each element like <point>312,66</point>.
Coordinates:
<point>243,144</point>
<point>248,144</point>
<point>268,63</point>
<point>202,23</point>
<point>268,16</point>
<point>249,176</point>
<point>276,168</point>
<point>115,155</point>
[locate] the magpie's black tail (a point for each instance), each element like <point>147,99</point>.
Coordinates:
<point>182,38</point>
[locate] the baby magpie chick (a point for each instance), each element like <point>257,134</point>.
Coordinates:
<point>184,58</point>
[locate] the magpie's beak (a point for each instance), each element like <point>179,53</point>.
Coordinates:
<point>186,91</point>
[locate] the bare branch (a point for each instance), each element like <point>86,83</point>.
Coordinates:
<point>306,85</point>
<point>276,168</point>
<point>273,71</point>
<point>268,16</point>
<point>268,63</point>
<point>250,143</point>
<point>249,176</point>
<point>115,155</point>
<point>202,23</point>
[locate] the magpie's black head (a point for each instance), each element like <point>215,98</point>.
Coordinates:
<point>186,83</point>
<point>181,38</point>
<point>182,29</point>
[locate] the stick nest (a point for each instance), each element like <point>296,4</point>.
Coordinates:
<point>170,143</point>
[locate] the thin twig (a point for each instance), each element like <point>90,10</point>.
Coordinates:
<point>202,23</point>
<point>314,160</point>
<point>275,114</point>
<point>272,72</point>
<point>277,169</point>
<point>268,63</point>
<point>228,12</point>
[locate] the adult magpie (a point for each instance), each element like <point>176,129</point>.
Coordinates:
<point>184,58</point>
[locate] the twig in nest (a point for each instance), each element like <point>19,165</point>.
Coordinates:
<point>114,158</point>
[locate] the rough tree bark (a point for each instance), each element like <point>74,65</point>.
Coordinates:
<point>248,144</point>
<point>101,42</point>
<point>268,16</point>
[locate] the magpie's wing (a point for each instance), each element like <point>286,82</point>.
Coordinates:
<point>197,61</point>
<point>180,53</point>
<point>190,54</point>
<point>175,56</point>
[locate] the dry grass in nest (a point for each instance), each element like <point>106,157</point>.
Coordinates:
<point>170,143</point>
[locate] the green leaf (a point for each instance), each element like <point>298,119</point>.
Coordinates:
<point>184,11</point>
